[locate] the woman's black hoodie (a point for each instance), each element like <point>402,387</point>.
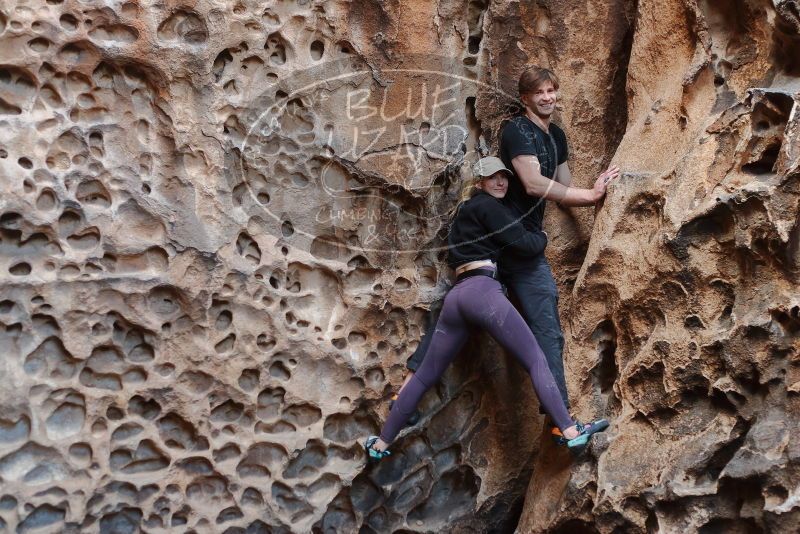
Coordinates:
<point>483,227</point>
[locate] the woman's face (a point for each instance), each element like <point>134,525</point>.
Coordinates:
<point>496,184</point>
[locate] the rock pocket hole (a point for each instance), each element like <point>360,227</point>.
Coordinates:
<point>279,370</point>
<point>20,269</point>
<point>224,320</point>
<point>605,372</point>
<point>40,44</point>
<point>317,49</point>
<point>265,342</point>
<point>226,344</point>
<point>249,379</point>
<point>765,164</point>
<point>402,284</point>
<point>47,200</point>
<point>184,25</point>
<point>247,247</point>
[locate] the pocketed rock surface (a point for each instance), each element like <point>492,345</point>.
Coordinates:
<point>685,315</point>
<point>221,227</point>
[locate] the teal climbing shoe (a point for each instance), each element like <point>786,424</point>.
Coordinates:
<point>586,432</point>
<point>374,455</point>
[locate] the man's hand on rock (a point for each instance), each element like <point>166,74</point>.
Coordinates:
<point>600,185</point>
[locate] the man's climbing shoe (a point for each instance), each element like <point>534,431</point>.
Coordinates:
<point>557,436</point>
<point>586,431</point>
<point>374,455</point>
<point>415,416</point>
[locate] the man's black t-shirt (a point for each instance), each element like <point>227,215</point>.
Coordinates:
<point>521,136</point>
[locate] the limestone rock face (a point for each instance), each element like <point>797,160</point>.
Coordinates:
<point>684,319</point>
<point>221,227</point>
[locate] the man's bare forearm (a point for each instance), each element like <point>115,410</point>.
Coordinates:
<point>564,175</point>
<point>527,168</point>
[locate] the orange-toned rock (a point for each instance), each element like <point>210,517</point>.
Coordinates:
<point>221,228</point>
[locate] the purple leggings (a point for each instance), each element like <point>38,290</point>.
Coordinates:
<point>478,302</point>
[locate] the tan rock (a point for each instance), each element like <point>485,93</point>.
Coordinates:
<point>221,228</point>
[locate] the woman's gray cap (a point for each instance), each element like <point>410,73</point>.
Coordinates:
<point>488,166</point>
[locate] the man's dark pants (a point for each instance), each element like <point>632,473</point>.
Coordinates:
<point>535,289</point>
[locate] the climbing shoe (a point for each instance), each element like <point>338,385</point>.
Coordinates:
<point>413,419</point>
<point>586,431</point>
<point>374,455</point>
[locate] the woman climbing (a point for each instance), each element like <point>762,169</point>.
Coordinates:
<point>481,229</point>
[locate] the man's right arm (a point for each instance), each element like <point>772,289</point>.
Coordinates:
<point>563,174</point>
<point>528,170</point>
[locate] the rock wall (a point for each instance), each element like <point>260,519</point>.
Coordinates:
<point>685,315</point>
<point>221,227</point>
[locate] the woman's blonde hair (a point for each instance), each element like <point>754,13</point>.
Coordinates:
<point>469,187</point>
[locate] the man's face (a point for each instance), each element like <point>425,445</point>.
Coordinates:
<point>542,101</point>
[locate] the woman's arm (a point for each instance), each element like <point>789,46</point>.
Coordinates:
<point>508,232</point>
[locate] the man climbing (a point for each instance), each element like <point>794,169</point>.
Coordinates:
<point>536,150</point>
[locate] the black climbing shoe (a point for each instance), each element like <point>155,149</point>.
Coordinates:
<point>557,436</point>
